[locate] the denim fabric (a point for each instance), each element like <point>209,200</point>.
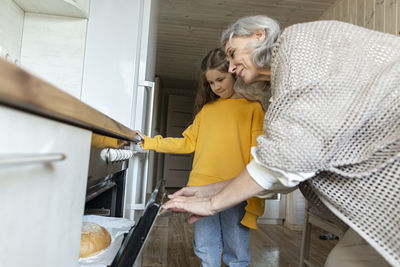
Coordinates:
<point>222,233</point>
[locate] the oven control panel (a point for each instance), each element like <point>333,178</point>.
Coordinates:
<point>111,155</point>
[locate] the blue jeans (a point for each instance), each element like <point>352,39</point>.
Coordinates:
<point>222,233</point>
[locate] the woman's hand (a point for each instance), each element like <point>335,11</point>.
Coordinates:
<point>196,197</point>
<point>224,195</point>
<point>200,191</point>
<point>198,206</point>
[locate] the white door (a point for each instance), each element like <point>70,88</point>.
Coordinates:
<point>177,167</point>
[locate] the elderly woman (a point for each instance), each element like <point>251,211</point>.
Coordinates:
<point>333,129</point>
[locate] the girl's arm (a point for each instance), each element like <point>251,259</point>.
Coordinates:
<point>182,145</point>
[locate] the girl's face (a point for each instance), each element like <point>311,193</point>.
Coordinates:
<point>238,52</point>
<point>221,83</point>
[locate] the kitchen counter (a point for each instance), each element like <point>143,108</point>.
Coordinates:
<point>21,90</point>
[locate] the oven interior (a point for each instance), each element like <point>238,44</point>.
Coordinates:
<point>108,164</point>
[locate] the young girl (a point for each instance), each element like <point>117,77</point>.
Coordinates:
<point>221,136</point>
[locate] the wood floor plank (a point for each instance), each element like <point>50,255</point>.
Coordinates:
<point>171,245</point>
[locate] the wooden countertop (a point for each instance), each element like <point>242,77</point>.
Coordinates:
<point>22,90</point>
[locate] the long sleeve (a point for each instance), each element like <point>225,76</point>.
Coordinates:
<point>257,126</point>
<point>254,209</point>
<point>274,180</point>
<point>255,206</point>
<point>183,145</point>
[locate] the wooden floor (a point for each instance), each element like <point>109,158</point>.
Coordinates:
<point>170,244</point>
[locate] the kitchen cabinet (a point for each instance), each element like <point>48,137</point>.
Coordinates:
<point>42,200</point>
<point>120,59</point>
<point>105,58</point>
<point>47,38</point>
<point>68,8</point>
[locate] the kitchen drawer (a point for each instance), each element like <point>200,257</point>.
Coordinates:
<point>42,202</point>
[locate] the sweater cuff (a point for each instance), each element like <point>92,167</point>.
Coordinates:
<point>250,220</point>
<point>260,174</point>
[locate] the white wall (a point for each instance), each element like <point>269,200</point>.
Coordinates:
<point>380,15</point>
<point>11,27</point>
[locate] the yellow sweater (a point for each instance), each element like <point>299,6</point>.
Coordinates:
<point>221,137</point>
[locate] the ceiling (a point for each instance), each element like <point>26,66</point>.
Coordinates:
<point>188,29</point>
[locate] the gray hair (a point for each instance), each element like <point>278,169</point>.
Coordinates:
<point>259,91</point>
<point>246,26</point>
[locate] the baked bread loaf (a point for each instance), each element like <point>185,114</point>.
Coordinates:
<point>94,239</point>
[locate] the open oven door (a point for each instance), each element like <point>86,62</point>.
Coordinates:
<point>134,241</point>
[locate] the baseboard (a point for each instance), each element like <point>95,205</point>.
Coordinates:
<point>294,227</point>
<point>269,221</point>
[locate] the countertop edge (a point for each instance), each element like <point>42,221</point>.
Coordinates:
<point>21,90</point>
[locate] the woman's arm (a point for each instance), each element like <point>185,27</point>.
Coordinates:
<point>239,189</point>
<point>201,191</point>
<point>235,191</point>
<point>253,180</point>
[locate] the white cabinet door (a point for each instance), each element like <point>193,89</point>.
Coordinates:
<point>42,203</point>
<point>112,57</point>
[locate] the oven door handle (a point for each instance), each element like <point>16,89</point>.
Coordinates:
<point>31,158</point>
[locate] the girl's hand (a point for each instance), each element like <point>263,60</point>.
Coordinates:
<point>138,136</point>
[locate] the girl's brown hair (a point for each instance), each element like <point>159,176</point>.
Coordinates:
<point>215,59</point>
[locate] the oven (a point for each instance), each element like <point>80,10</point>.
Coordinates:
<point>105,194</point>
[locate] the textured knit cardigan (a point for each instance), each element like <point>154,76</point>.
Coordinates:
<point>336,112</point>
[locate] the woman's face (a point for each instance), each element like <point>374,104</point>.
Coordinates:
<point>221,83</point>
<point>238,52</point>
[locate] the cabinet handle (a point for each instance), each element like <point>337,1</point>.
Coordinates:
<point>151,87</point>
<point>34,158</point>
